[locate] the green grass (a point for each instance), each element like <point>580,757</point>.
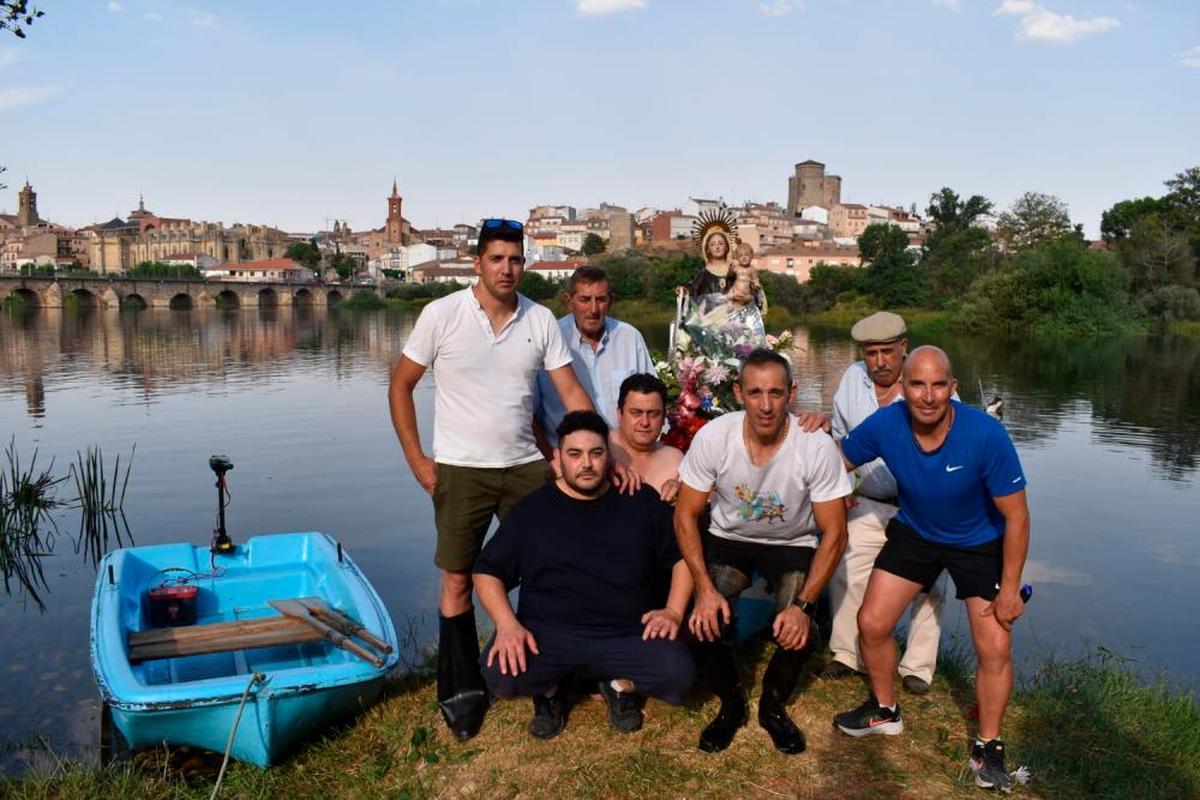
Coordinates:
<point>923,322</point>
<point>1085,729</point>
<point>1185,328</point>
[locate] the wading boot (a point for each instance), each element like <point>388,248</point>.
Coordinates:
<point>779,682</point>
<point>461,692</point>
<point>719,662</point>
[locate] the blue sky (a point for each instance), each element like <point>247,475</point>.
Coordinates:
<point>289,113</point>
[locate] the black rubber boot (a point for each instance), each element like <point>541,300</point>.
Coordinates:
<point>779,682</point>
<point>719,662</point>
<point>461,692</point>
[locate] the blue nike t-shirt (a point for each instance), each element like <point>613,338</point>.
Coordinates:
<point>946,495</point>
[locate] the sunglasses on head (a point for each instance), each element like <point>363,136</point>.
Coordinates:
<point>492,224</point>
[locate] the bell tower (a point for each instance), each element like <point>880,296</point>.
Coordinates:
<point>394,230</point>
<point>27,213</point>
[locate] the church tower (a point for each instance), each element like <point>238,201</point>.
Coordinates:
<point>394,230</point>
<point>27,213</point>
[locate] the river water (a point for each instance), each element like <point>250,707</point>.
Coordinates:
<point>1109,432</point>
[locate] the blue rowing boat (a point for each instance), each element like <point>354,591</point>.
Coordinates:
<point>294,677</point>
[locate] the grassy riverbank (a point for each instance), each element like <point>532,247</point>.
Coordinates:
<point>1084,729</point>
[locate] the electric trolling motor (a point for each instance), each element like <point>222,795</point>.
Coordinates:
<point>221,543</point>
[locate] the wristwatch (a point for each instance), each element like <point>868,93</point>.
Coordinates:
<point>805,606</point>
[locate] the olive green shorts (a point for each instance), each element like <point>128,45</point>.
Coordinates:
<point>464,500</point>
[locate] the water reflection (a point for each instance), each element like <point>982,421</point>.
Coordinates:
<point>1108,431</point>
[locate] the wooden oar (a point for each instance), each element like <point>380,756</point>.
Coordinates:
<point>344,623</point>
<point>291,608</point>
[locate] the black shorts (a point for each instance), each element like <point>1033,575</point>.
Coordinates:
<point>975,570</point>
<point>771,561</point>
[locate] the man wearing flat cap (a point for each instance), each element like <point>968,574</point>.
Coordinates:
<point>866,386</point>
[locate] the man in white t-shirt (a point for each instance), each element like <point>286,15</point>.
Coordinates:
<point>486,345</point>
<point>777,509</point>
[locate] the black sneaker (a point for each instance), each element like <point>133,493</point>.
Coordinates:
<point>549,716</point>
<point>835,670</point>
<point>915,685</point>
<point>869,718</point>
<point>623,711</point>
<point>987,762</point>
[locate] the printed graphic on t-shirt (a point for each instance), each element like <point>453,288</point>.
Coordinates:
<point>753,506</point>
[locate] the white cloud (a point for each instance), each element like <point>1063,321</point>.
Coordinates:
<point>1040,24</point>
<point>596,8</point>
<point>1015,7</point>
<point>203,19</point>
<point>11,98</point>
<point>153,16</point>
<point>1189,58</point>
<point>949,5</point>
<point>780,8</point>
<point>115,7</point>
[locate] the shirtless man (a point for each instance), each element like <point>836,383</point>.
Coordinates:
<point>641,409</point>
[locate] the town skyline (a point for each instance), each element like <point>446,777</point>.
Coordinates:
<point>231,113</point>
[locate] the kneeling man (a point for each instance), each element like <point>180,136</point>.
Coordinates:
<point>777,491</point>
<point>590,563</point>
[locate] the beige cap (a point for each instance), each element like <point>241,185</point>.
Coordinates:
<point>882,326</point>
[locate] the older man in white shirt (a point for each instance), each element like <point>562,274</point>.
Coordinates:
<point>867,386</point>
<point>604,352</point>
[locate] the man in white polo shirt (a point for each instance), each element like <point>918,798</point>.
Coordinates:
<point>486,345</point>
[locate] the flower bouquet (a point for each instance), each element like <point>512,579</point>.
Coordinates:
<point>709,345</point>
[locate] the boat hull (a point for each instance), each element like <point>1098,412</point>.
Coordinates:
<point>194,700</point>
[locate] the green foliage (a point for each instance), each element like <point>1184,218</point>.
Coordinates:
<point>157,269</point>
<point>893,274</point>
<point>1033,220</point>
<point>1061,287</point>
<point>1172,304</point>
<point>14,14</point>
<point>953,214</point>
<point>1157,254</point>
<point>953,259</point>
<point>1185,192</point>
<point>1117,222</point>
<point>422,291</point>
<point>593,244</point>
<point>305,253</point>
<point>362,301</point>
<point>633,275</point>
<point>37,270</point>
<point>828,281</point>
<point>537,287</point>
<point>342,264</point>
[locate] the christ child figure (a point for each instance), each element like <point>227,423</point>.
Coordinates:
<point>742,286</point>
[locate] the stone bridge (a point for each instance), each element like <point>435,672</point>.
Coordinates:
<point>171,293</point>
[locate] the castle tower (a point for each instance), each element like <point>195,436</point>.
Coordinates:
<point>810,186</point>
<point>394,229</point>
<point>27,213</point>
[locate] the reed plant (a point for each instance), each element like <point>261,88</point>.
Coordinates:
<point>28,499</point>
<point>101,500</point>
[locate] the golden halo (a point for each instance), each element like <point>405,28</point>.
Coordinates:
<point>716,220</point>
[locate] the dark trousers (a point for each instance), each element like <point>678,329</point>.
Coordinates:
<point>659,668</point>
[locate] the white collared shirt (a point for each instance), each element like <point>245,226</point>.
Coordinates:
<point>854,401</point>
<point>484,382</point>
<point>622,352</point>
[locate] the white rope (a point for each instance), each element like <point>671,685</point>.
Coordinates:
<point>255,678</point>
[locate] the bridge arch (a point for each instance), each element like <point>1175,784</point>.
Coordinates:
<point>28,297</point>
<point>333,297</point>
<point>267,298</point>
<point>302,297</point>
<point>227,298</point>
<point>84,298</point>
<point>133,302</point>
<point>181,302</point>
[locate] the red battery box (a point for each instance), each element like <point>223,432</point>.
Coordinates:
<point>172,605</point>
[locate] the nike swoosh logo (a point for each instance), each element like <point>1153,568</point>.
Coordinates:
<point>954,469</point>
<point>1018,479</point>
<point>876,721</point>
